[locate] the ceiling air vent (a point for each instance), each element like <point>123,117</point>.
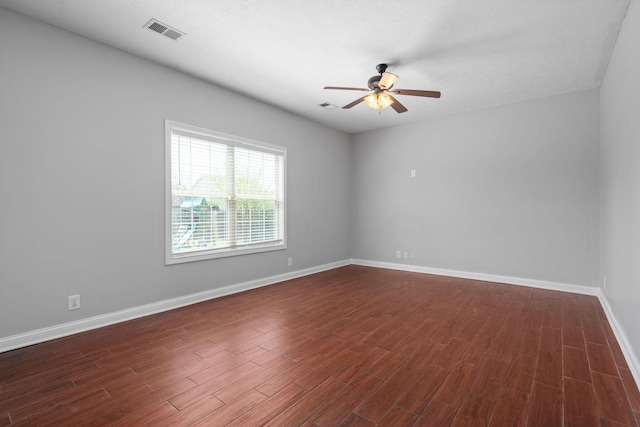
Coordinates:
<point>328,106</point>
<point>164,29</point>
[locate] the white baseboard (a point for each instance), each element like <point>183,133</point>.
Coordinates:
<point>627,350</point>
<point>65,329</point>
<point>541,284</point>
<point>625,345</point>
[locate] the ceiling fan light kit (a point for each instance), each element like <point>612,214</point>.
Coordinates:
<point>381,86</point>
<point>378,100</point>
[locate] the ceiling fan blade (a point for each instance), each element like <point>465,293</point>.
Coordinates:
<point>412,92</point>
<point>347,88</point>
<point>354,103</point>
<point>396,105</point>
<point>387,80</point>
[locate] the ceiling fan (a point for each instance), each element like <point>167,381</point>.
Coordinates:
<point>381,86</point>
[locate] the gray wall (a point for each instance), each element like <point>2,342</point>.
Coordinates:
<point>510,191</point>
<point>620,178</point>
<point>82,179</point>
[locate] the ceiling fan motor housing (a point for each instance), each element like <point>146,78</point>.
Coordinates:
<point>373,82</point>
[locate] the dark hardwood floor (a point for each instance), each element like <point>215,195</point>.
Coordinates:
<point>354,346</point>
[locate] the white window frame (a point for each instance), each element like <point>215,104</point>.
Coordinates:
<point>230,140</point>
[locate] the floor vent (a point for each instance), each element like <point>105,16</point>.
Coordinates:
<point>164,29</point>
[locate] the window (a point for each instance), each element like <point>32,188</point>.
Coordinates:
<point>225,195</point>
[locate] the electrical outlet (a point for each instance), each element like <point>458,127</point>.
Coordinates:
<point>290,262</point>
<point>398,254</point>
<point>74,302</point>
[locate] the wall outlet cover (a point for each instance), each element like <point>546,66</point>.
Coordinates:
<point>74,302</point>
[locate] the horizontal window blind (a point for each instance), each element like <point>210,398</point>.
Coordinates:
<point>226,194</point>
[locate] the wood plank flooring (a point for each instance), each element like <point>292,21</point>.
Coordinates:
<point>354,346</point>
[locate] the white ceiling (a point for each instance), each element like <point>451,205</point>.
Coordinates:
<point>478,53</point>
